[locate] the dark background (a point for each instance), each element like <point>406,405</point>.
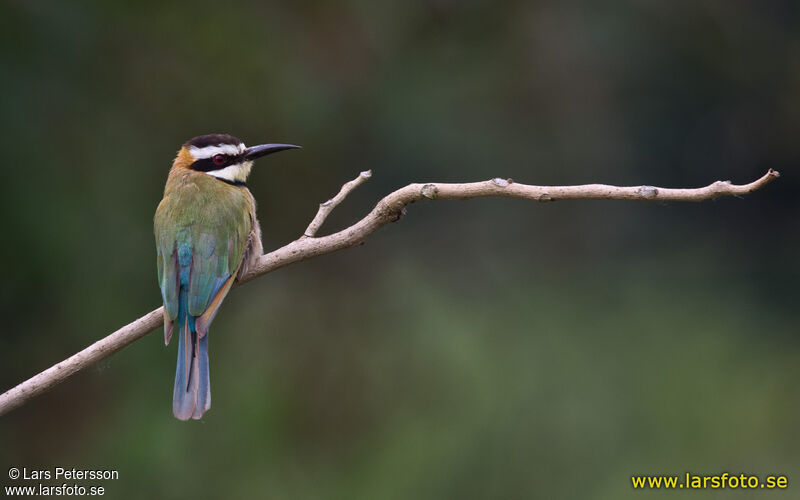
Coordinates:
<point>490,348</point>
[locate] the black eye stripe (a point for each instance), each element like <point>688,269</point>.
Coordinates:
<point>207,164</point>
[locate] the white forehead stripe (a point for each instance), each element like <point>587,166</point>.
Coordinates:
<point>209,151</point>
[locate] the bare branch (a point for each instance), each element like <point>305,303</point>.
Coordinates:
<point>387,210</point>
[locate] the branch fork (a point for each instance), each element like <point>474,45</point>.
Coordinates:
<point>327,207</point>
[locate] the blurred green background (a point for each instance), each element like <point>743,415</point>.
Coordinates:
<point>491,348</point>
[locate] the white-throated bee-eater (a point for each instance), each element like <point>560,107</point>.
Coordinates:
<point>207,235</point>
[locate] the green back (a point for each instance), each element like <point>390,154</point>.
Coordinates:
<point>202,227</point>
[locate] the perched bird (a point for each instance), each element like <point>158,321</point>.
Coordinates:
<point>207,235</point>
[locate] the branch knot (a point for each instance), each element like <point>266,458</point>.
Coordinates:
<point>647,192</point>
<point>429,191</point>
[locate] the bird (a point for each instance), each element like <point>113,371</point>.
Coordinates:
<point>207,235</point>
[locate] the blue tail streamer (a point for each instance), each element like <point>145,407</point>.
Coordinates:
<point>192,391</point>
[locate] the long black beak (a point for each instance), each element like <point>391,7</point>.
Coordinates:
<point>254,152</point>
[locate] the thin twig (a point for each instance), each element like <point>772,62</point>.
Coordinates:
<point>387,210</point>
<point>326,208</point>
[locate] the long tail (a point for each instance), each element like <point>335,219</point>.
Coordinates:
<point>192,393</point>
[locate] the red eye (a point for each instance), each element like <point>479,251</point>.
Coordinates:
<point>219,159</point>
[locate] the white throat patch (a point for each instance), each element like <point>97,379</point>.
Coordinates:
<point>233,173</point>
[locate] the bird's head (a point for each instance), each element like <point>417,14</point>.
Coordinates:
<point>223,156</point>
